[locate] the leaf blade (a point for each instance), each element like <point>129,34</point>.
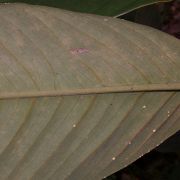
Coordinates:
<point>122,93</point>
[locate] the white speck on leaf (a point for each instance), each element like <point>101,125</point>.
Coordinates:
<point>144,107</point>
<point>154,130</point>
<point>168,113</point>
<point>113,158</point>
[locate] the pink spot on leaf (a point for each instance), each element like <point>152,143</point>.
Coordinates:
<point>76,51</point>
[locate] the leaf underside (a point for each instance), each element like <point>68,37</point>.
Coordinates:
<point>82,96</point>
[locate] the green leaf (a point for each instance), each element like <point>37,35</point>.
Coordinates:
<point>82,96</point>
<point>102,7</point>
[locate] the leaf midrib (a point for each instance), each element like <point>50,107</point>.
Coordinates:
<point>97,90</point>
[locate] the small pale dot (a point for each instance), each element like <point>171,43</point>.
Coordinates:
<point>144,107</point>
<point>154,130</point>
<point>129,142</point>
<point>113,158</point>
<point>74,125</point>
<point>168,113</point>
<point>105,19</point>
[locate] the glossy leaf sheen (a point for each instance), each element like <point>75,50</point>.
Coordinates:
<point>102,7</point>
<point>82,96</point>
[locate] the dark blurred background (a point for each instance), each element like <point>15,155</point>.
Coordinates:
<point>163,163</point>
<point>163,16</point>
